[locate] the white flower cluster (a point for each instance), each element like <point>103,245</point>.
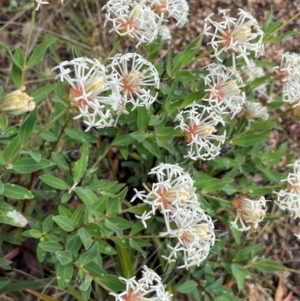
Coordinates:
<point>149,287</point>
<point>250,73</point>
<point>101,94</point>
<point>236,37</point>
<point>142,21</point>
<point>224,92</point>
<point>199,125</point>
<point>248,212</point>
<point>289,198</point>
<point>289,75</point>
<point>255,110</point>
<point>174,196</point>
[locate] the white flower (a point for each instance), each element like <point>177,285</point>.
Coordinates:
<point>178,9</point>
<point>132,19</point>
<point>237,37</point>
<point>136,77</point>
<point>224,89</point>
<point>92,92</point>
<point>172,195</point>
<point>289,198</point>
<point>149,287</point>
<point>255,110</point>
<point>195,237</point>
<point>249,212</point>
<point>199,125</point>
<point>253,72</point>
<point>164,33</point>
<point>289,74</point>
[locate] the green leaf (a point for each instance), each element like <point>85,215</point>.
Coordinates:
<point>85,238</point>
<point>39,52</point>
<point>5,264</point>
<point>86,283</point>
<point>268,265</point>
<point>78,135</point>
<point>48,223</point>
<point>39,94</point>
<point>187,287</point>
<point>142,119</point>
<point>81,165</point>
<point>10,216</point>
<point>185,57</point>
<point>10,238</point>
<point>239,274</point>
<point>191,98</point>
<point>106,248</point>
<point>89,255</point>
<point>114,204</point>
<point>54,182</point>
<point>64,274</point>
<point>11,148</point>
<point>64,222</point>
<point>114,228</point>
<point>139,136</point>
<point>3,121</point>
<point>16,71</point>
<point>250,139</point>
<point>50,246</point>
<point>13,59</point>
<point>1,187</point>
<point>210,184</point>
<point>16,192</point>
<point>64,257</point>
<point>86,195</point>
<point>268,19</point>
<point>123,140</point>
<point>247,253</point>
<point>41,254</point>
<point>27,126</point>
<point>136,247</point>
<point>112,283</point>
<point>74,244</point>
<point>78,216</point>
<point>151,147</point>
<point>168,132</point>
<point>29,165</point>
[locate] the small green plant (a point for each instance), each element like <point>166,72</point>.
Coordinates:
<point>138,176</point>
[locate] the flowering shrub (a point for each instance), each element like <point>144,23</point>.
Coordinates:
<point>136,176</point>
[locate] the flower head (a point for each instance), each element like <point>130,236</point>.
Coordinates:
<point>289,75</point>
<point>195,236</point>
<point>249,212</point>
<point>289,198</point>
<point>224,86</point>
<point>177,9</point>
<point>136,78</point>
<point>149,287</point>
<point>171,195</point>
<point>132,19</point>
<point>199,125</point>
<point>253,110</point>
<point>250,73</point>
<point>16,103</point>
<point>92,92</point>
<point>238,37</point>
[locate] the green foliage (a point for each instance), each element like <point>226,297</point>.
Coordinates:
<point>86,216</point>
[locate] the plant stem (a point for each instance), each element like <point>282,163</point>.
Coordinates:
<point>24,68</point>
